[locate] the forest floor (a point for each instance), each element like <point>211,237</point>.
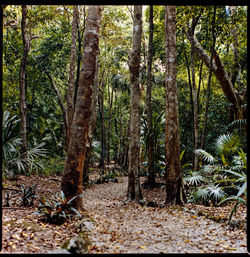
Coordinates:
<point>112,225</point>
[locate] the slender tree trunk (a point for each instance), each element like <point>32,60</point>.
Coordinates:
<point>80,33</point>
<point>190,93</point>
<point>103,130</point>
<point>73,172</point>
<point>195,110</point>
<point>126,146</point>
<point>134,190</point>
<point>236,69</point>
<point>22,73</point>
<point>61,104</point>
<point>208,83</point>
<point>92,126</point>
<point>173,173</point>
<point>151,170</point>
<point>71,85</point>
<point>199,86</point>
<point>110,99</point>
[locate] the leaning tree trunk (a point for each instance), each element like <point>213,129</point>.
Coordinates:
<point>220,73</point>
<point>173,171</point>
<point>23,107</point>
<point>134,190</point>
<point>151,170</point>
<point>73,171</point>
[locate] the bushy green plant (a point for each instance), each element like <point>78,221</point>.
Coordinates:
<point>224,174</point>
<point>58,210</point>
<point>13,163</point>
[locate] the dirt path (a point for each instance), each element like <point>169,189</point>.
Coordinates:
<point>131,228</point>
<point>120,227</point>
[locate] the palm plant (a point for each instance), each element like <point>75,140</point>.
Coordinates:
<point>223,173</point>
<point>13,162</point>
<point>239,178</point>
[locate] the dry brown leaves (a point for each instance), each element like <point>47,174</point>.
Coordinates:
<point>122,227</point>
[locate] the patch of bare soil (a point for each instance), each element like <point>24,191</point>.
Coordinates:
<point>116,226</point>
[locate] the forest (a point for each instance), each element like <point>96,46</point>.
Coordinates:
<point>124,129</point>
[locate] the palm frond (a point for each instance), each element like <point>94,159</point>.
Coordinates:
<point>205,155</point>
<point>216,192</point>
<point>194,179</point>
<point>227,144</point>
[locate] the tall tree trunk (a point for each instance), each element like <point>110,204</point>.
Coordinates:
<point>73,172</point>
<point>80,33</point>
<point>126,146</point>
<point>236,69</point>
<point>110,99</point>
<point>71,85</point>
<point>61,104</point>
<point>199,86</point>
<point>92,126</point>
<point>134,190</point>
<point>190,92</point>
<point>208,83</point>
<point>23,107</point>
<point>173,173</point>
<point>195,110</point>
<point>103,130</point>
<point>151,170</point>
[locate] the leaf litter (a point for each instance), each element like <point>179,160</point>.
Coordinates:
<point>116,226</point>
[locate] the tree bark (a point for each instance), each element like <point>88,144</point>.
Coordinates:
<point>71,85</point>
<point>173,173</point>
<point>134,190</point>
<point>151,170</point>
<point>91,126</point>
<point>73,172</point>
<point>22,82</point>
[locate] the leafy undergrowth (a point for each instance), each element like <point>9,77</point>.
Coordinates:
<point>114,226</point>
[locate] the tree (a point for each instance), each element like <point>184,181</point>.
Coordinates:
<point>194,98</point>
<point>23,106</point>
<point>71,85</point>
<point>134,190</point>
<point>173,171</point>
<point>209,82</point>
<point>151,170</point>
<point>221,74</point>
<point>73,172</point>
